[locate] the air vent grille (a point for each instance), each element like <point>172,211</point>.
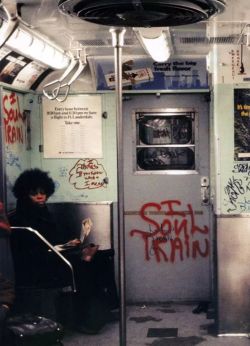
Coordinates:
<point>106,43</point>
<point>142,13</point>
<point>224,40</point>
<point>194,40</point>
<point>212,40</point>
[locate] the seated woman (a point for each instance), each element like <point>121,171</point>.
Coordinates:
<point>32,190</point>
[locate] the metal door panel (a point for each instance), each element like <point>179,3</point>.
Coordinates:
<point>172,263</point>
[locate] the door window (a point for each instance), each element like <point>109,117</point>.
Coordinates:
<point>165,141</point>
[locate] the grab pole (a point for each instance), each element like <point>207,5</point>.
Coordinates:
<point>117,41</point>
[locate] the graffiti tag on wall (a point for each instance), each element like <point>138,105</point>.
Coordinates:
<point>237,194</point>
<point>176,236</point>
<point>14,122</point>
<point>242,168</point>
<point>13,160</point>
<point>88,174</point>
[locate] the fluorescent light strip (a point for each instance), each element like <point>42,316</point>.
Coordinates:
<point>34,46</point>
<point>155,43</point>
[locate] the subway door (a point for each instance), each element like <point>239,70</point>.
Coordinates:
<point>166,197</point>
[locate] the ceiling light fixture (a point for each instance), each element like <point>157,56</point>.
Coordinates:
<point>21,39</point>
<point>156,42</point>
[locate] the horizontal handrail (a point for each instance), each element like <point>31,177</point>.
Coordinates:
<point>52,248</point>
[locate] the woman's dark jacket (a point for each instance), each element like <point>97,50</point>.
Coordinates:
<point>34,264</point>
<point>7,293</point>
<point>29,214</point>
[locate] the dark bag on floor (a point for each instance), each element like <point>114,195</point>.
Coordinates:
<point>32,330</point>
<point>105,277</point>
<point>81,313</point>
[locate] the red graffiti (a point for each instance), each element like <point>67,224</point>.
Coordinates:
<point>174,236</point>
<point>13,119</point>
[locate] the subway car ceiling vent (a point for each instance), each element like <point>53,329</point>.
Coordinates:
<point>210,40</point>
<point>106,42</point>
<point>186,40</point>
<point>142,13</point>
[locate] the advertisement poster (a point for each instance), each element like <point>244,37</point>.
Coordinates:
<point>73,129</point>
<point>18,70</point>
<point>145,74</point>
<point>3,52</point>
<point>242,124</point>
<point>11,65</point>
<point>234,65</point>
<point>28,75</point>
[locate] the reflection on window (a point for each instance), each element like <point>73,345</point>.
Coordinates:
<point>165,130</point>
<point>165,141</point>
<point>165,158</point>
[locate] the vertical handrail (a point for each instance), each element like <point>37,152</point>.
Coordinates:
<point>117,41</point>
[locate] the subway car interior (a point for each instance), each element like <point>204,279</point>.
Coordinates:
<point>147,166</point>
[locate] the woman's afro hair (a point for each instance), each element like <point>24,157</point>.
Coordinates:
<point>31,180</point>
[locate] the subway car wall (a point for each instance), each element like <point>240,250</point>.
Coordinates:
<point>179,221</point>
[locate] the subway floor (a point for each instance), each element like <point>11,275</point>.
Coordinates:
<point>159,325</point>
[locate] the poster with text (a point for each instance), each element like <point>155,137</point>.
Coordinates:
<point>20,71</point>
<point>234,65</point>
<point>29,74</point>
<point>73,129</point>
<point>242,124</point>
<point>11,65</point>
<point>143,73</point>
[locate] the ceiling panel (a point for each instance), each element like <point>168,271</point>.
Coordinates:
<point>196,39</point>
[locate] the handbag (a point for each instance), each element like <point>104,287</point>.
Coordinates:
<point>33,330</point>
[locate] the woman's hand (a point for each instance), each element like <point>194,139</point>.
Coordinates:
<point>74,242</point>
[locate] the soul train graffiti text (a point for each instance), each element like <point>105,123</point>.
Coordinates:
<point>14,123</point>
<point>176,236</point>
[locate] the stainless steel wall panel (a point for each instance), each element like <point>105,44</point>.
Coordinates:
<point>233,272</point>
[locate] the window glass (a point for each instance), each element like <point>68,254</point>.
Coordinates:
<point>165,141</point>
<point>165,158</point>
<point>165,130</point>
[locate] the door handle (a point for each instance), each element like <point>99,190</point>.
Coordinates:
<point>205,190</point>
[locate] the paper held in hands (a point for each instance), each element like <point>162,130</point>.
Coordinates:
<point>66,246</point>
<point>87,252</point>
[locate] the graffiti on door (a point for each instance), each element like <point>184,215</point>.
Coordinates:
<point>172,233</point>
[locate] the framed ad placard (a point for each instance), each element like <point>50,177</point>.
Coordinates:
<point>242,124</point>
<point>73,128</point>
